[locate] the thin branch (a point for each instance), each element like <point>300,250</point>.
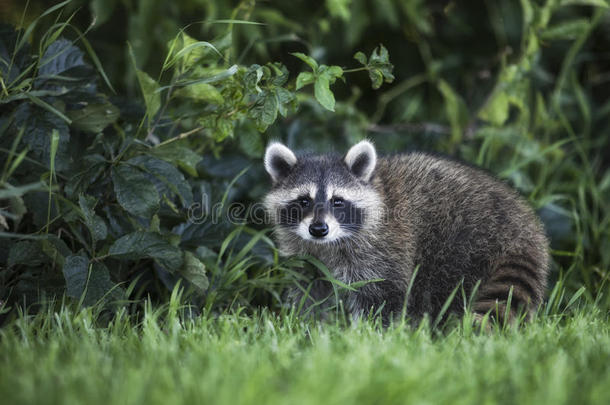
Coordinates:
<point>181,136</point>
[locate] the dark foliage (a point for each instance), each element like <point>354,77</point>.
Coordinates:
<point>123,147</point>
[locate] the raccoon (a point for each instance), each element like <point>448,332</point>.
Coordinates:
<point>412,222</point>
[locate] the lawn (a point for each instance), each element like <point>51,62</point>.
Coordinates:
<point>267,359</point>
<point>132,138</point>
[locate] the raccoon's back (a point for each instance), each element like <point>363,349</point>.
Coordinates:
<point>460,225</point>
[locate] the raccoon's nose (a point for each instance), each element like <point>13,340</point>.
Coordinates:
<point>318,229</point>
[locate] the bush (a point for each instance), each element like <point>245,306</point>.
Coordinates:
<point>111,195</point>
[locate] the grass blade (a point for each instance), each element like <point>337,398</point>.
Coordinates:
<point>50,108</point>
<point>54,146</point>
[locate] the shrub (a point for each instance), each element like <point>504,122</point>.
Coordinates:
<point>105,193</point>
<point>112,195</point>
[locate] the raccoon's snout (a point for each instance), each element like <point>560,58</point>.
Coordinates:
<point>318,229</point>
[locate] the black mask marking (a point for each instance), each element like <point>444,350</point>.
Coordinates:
<point>348,215</point>
<point>293,213</point>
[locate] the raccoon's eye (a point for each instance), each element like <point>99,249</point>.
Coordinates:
<point>337,202</point>
<point>304,202</point>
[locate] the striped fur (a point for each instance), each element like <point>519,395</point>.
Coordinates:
<point>518,279</point>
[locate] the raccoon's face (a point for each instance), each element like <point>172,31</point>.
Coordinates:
<point>322,199</point>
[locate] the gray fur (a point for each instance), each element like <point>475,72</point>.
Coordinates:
<point>455,223</point>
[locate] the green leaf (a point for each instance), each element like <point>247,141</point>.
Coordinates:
<point>179,155</point>
<point>380,67</point>
<point>60,57</point>
<point>194,271</point>
<point>155,224</point>
<point>76,272</point>
<point>496,110</point>
<point>598,3</point>
<point>265,109</point>
<point>28,253</point>
<point>94,117</point>
<point>307,59</point>
<point>152,98</point>
<point>270,107</point>
<point>376,78</point>
<point>118,222</point>
<point>78,183</point>
<point>456,111</point>
<point>56,249</point>
<point>202,92</point>
<point>285,99</point>
<point>194,50</point>
<point>89,283</point>
<point>361,57</point>
<point>251,144</point>
<point>304,78</point>
<point>333,72</point>
<point>17,209</point>
<point>9,191</point>
<point>252,78</point>
<point>323,93</point>
<point>50,108</point>
<point>62,69</point>
<point>566,30</point>
<point>149,88</point>
<point>38,125</point>
<point>224,74</point>
<point>140,245</point>
<point>280,74</point>
<point>168,180</point>
<point>223,129</point>
<point>191,51</point>
<point>339,8</point>
<point>96,225</point>
<point>134,191</point>
<point>15,57</point>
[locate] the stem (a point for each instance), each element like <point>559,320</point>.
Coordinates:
<point>4,89</point>
<point>98,258</point>
<point>360,69</point>
<point>161,111</point>
<point>180,136</point>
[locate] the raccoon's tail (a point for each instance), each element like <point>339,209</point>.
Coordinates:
<point>515,288</point>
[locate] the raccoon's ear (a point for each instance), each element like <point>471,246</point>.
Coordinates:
<point>279,160</point>
<point>361,160</point>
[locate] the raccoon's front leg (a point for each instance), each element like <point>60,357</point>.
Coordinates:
<point>384,298</point>
<point>312,298</point>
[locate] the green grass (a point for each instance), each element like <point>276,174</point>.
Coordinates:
<point>267,359</point>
